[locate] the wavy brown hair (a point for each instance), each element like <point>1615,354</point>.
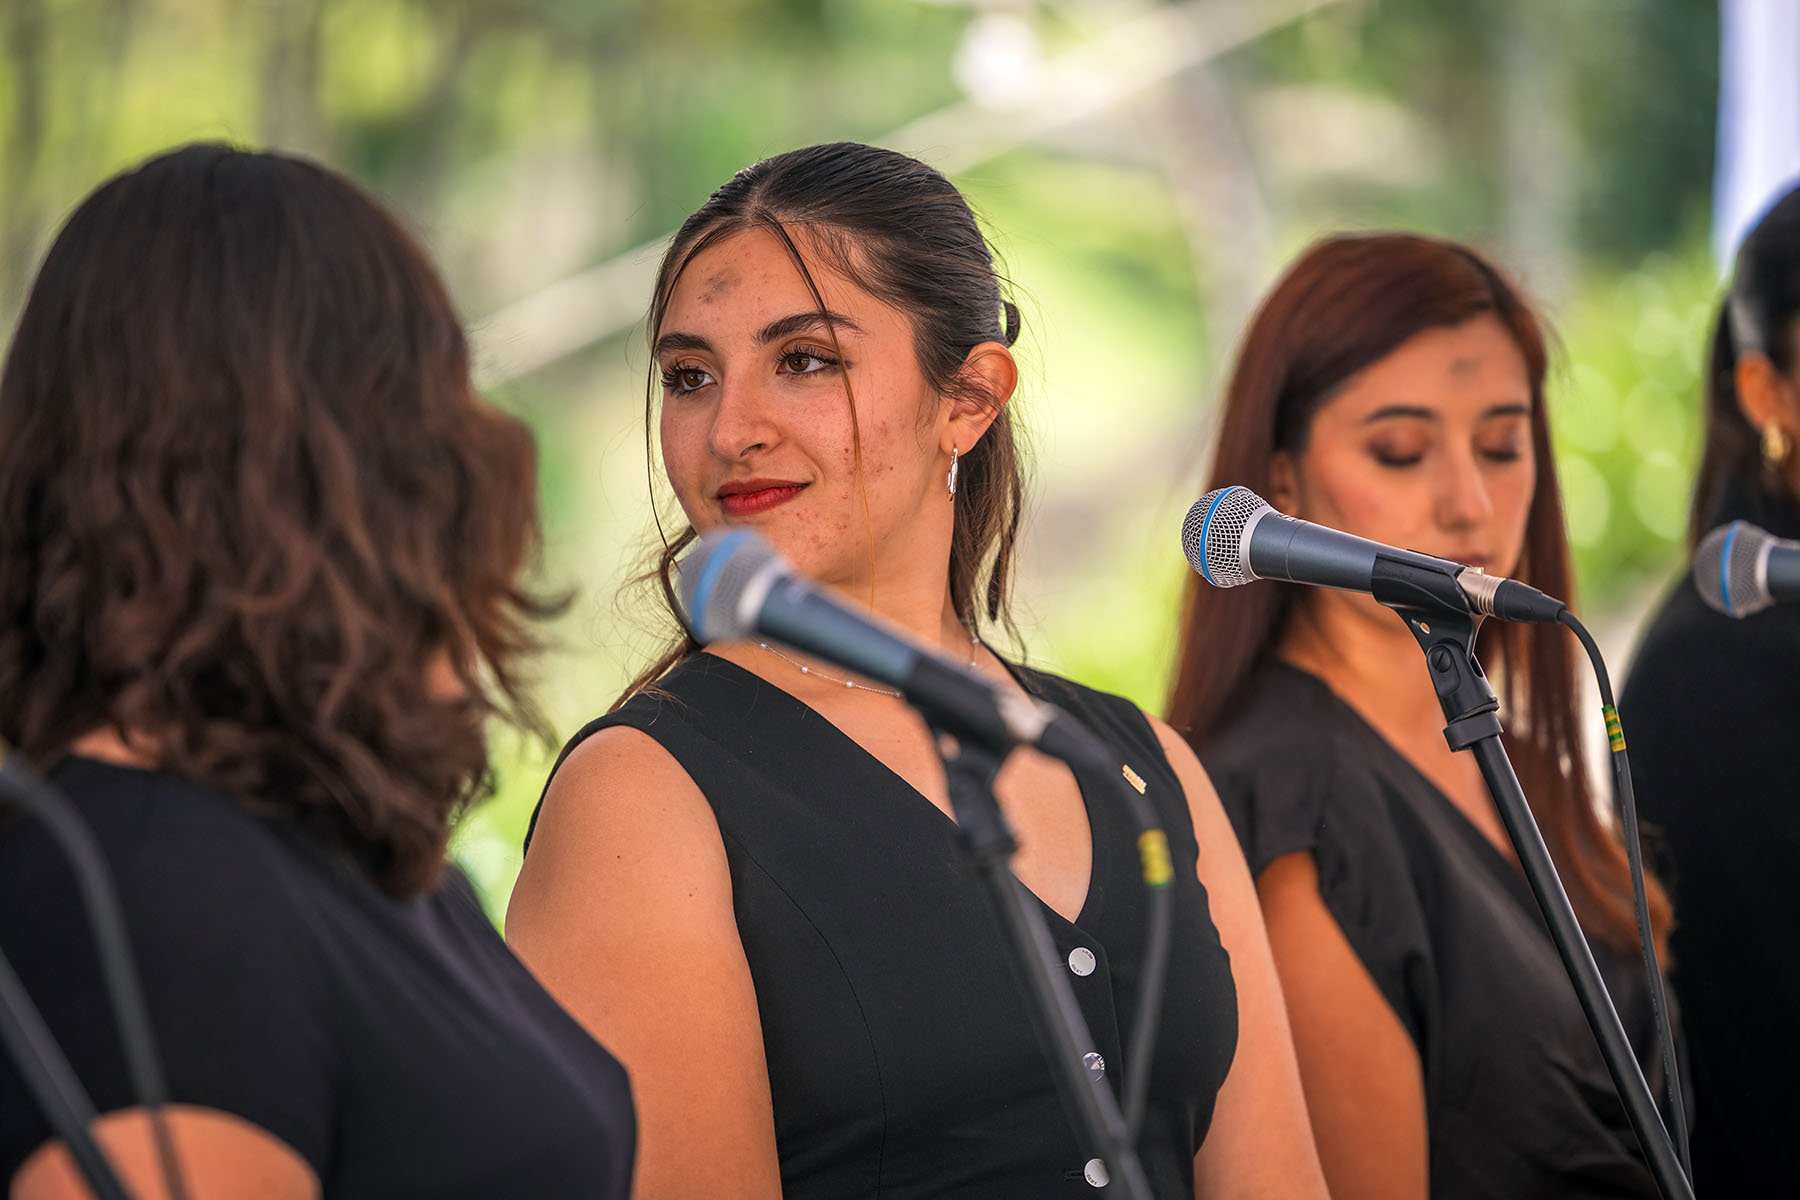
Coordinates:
<point>253,517</point>
<point>1345,304</point>
<point>899,230</point>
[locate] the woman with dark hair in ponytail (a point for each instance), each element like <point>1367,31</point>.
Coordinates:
<point>1711,707</point>
<point>744,876</point>
<point>1392,386</point>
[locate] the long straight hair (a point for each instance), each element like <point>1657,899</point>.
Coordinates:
<point>1348,302</point>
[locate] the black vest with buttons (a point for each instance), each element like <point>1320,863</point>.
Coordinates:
<point>902,1059</point>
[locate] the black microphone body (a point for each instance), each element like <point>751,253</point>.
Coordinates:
<point>1232,536</point>
<point>1284,547</point>
<point>1784,570</point>
<point>1741,569</point>
<point>735,586</point>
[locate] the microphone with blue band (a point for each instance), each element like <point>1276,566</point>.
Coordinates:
<point>1740,569</point>
<point>735,586</point>
<point>1232,536</point>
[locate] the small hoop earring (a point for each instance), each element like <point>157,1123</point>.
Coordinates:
<point>1774,446</point>
<point>950,483</point>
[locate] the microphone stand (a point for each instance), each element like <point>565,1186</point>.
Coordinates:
<point>46,1073</point>
<point>989,844</point>
<point>50,1081</point>
<point>1436,611</point>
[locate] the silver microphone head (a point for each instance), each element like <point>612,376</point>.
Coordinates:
<point>1731,569</point>
<point>1212,536</point>
<point>723,580</point>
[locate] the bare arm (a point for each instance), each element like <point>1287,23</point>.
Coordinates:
<point>1364,1085</point>
<point>1260,1144</point>
<point>623,910</point>
<point>220,1157</point>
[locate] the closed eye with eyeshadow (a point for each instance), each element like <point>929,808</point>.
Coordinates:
<point>1407,435</point>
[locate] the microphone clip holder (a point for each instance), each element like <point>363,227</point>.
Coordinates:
<point>988,843</point>
<point>1437,612</point>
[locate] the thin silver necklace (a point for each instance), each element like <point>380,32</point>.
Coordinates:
<point>974,649</point>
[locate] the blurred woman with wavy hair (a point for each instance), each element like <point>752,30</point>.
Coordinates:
<point>1392,386</point>
<point>259,555</point>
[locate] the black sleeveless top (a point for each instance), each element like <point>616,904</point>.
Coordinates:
<point>902,1059</point>
<point>1518,1101</point>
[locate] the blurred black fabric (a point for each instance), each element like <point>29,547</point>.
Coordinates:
<point>1711,712</point>
<point>396,1045</point>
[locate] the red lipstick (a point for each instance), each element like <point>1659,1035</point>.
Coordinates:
<point>747,497</point>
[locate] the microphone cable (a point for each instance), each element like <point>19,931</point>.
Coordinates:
<point>124,990</point>
<point>52,1083</point>
<point>1625,799</point>
<point>1158,872</point>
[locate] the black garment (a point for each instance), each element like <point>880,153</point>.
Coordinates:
<point>1710,714</point>
<point>901,1055</point>
<point>1518,1101</point>
<point>397,1046</point>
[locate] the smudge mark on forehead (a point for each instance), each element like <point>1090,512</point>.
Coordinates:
<point>718,285</point>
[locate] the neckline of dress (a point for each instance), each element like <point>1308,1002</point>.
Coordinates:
<point>1091,902</point>
<point>1510,874</point>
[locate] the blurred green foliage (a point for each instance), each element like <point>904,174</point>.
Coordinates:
<point>1625,406</point>
<point>530,140</point>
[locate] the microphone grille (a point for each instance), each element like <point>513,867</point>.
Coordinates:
<point>1725,571</point>
<point>1212,536</point>
<point>714,577</point>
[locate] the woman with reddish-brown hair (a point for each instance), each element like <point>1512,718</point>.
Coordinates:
<point>1392,386</point>
<point>260,547</point>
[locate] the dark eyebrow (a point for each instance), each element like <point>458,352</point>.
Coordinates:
<point>1507,410</point>
<point>1387,411</point>
<point>1421,413</point>
<point>670,343</point>
<point>774,331</point>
